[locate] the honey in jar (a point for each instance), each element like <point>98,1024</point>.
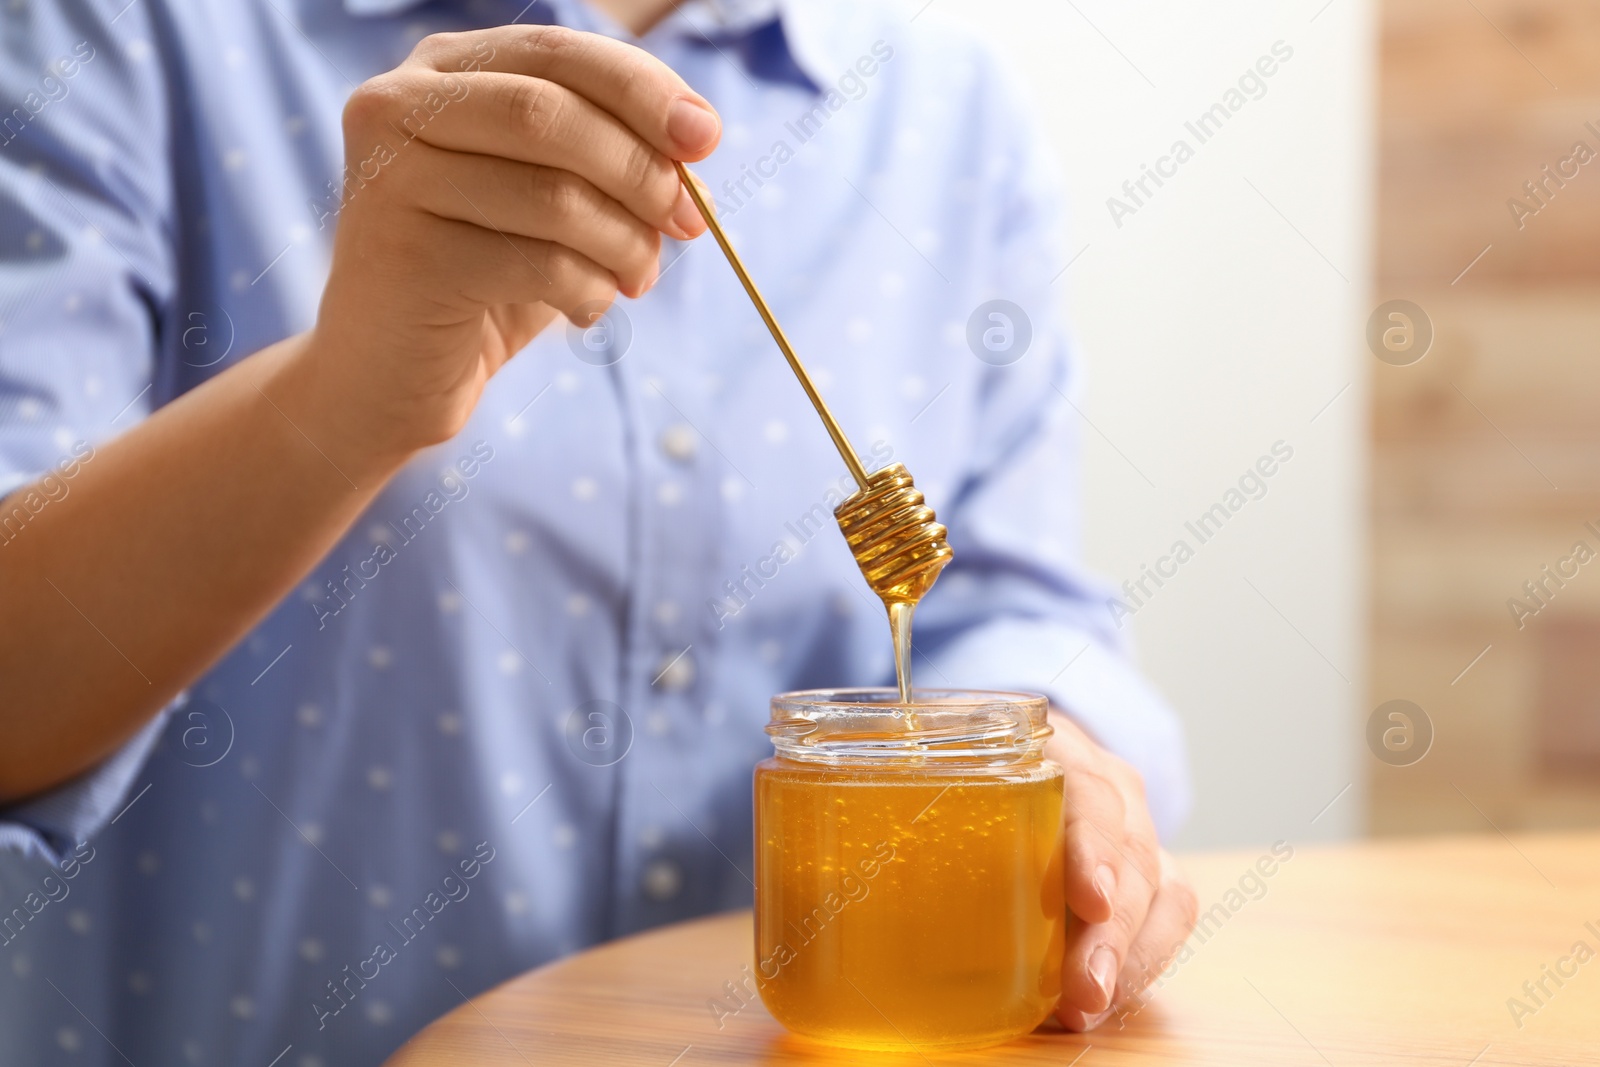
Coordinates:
<point>908,869</point>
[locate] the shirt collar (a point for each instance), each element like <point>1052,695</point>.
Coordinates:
<point>806,25</point>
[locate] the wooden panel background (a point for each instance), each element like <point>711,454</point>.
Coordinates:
<point>1486,454</point>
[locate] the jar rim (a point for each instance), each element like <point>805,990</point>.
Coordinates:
<point>837,725</point>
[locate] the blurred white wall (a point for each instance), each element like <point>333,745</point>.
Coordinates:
<point>1224,315</point>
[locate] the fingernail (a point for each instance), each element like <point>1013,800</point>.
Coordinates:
<point>685,216</point>
<point>692,126</point>
<point>1105,883</point>
<point>1103,973</point>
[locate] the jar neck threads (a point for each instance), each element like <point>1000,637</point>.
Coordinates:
<point>848,726</point>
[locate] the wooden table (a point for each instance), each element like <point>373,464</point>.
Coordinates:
<point>1399,952</point>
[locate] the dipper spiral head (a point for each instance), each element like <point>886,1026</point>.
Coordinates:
<point>898,543</point>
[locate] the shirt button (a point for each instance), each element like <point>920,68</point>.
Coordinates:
<point>679,443</point>
<point>662,880</point>
<point>676,672</point>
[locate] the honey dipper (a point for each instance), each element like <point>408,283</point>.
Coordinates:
<point>896,540</point>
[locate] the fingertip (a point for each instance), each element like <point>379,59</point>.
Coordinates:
<point>694,127</point>
<point>634,292</point>
<point>588,312</point>
<point>1091,884</point>
<point>1103,967</point>
<point>1105,884</point>
<point>1085,987</point>
<point>1079,1022</point>
<point>686,218</point>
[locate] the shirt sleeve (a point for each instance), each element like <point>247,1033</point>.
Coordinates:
<point>52,824</point>
<point>86,282</point>
<point>1015,607</point>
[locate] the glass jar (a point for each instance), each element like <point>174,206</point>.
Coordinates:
<point>909,887</point>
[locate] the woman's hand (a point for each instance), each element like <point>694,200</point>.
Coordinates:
<point>1132,906</point>
<point>495,180</point>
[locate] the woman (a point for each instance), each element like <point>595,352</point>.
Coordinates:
<point>329,627</point>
